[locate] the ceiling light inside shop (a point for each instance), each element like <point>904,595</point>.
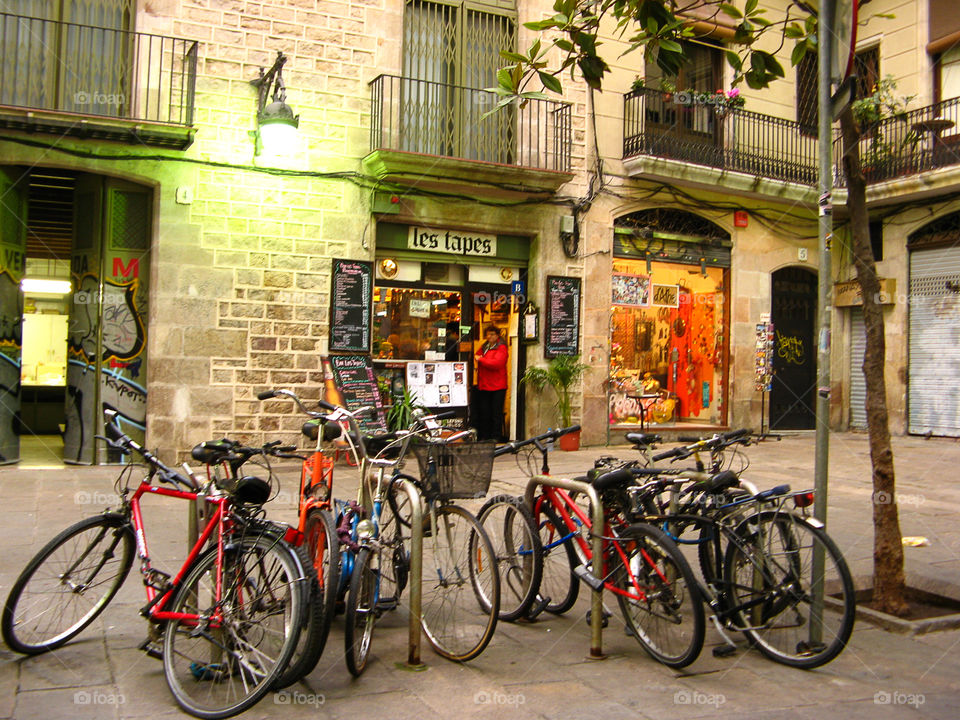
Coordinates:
<point>45,286</point>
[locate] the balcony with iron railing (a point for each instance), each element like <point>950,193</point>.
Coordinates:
<point>108,84</point>
<point>706,131</point>
<point>445,134</point>
<point>910,143</point>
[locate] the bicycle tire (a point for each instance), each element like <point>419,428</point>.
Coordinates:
<point>314,629</point>
<point>667,617</point>
<point>557,581</point>
<point>518,551</point>
<point>788,586</point>
<point>229,666</point>
<point>64,621</point>
<point>458,553</point>
<point>361,613</point>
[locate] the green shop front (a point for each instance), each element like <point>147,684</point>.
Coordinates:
<point>436,290</point>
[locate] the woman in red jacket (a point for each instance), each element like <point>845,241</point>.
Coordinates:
<point>491,387</point>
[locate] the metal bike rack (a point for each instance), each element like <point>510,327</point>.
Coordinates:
<point>416,572</point>
<point>596,608</point>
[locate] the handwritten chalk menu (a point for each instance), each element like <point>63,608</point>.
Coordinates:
<point>563,316</point>
<point>351,298</point>
<point>357,382</point>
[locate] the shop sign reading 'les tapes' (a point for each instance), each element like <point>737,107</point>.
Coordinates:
<point>454,242</point>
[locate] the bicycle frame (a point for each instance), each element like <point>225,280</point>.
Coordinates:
<point>575,523</point>
<point>157,599</point>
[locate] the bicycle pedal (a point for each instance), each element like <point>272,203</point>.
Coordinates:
<point>536,608</point>
<point>151,648</point>
<point>805,648</point>
<point>209,671</point>
<point>606,616</point>
<point>157,579</point>
<point>724,650</point>
<point>386,604</point>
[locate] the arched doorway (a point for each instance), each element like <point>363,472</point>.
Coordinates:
<point>793,311</point>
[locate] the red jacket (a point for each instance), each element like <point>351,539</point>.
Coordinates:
<point>492,367</point>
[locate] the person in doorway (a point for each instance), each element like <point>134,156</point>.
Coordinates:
<point>491,387</point>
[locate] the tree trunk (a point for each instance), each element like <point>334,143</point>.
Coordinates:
<point>889,587</point>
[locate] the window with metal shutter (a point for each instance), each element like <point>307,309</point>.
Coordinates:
<point>934,364</point>
<point>858,384</point>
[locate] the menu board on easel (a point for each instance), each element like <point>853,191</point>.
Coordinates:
<point>562,336</point>
<point>354,376</point>
<point>351,300</point>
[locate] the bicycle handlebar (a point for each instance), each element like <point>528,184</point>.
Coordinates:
<point>716,442</point>
<point>119,440</point>
<point>549,435</point>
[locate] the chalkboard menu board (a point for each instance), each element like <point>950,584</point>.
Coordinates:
<point>358,384</point>
<point>562,336</point>
<point>351,299</point>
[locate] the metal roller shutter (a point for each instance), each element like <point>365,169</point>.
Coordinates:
<point>934,386</point>
<point>858,384</point>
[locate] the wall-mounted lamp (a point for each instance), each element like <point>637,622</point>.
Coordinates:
<point>277,125</point>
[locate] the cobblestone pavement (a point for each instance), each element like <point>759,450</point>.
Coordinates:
<point>537,670</point>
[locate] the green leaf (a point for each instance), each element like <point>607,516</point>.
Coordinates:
<point>731,10</point>
<point>762,22</point>
<point>652,26</point>
<point>550,82</point>
<point>771,63</point>
<point>734,59</point>
<point>671,46</point>
<point>799,50</point>
<point>564,45</point>
<point>534,95</point>
<point>750,7</point>
<point>793,31</point>
<point>505,78</point>
<point>512,56</point>
<point>810,23</point>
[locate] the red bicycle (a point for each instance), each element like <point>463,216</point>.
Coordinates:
<point>230,618</point>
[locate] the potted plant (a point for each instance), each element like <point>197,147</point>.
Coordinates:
<point>561,374</point>
<point>401,411</point>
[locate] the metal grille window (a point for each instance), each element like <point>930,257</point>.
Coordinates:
<point>448,50</point>
<point>866,64</point>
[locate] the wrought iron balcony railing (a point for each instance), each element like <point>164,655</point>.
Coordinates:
<point>93,71</point>
<point>913,142</point>
<point>434,118</point>
<point>705,131</point>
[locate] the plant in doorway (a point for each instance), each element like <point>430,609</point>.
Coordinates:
<point>561,374</point>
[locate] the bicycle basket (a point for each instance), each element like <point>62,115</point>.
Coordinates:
<point>463,470</point>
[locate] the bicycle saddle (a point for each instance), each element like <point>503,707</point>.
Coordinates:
<point>643,439</point>
<point>331,430</point>
<point>211,452</point>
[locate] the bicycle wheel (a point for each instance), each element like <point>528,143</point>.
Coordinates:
<point>517,548</point>
<point>658,596</point>
<point>461,588</point>
<point>557,581</point>
<point>313,633</point>
<point>226,653</point>
<point>770,577</point>
<point>361,611</point>
<point>67,584</point>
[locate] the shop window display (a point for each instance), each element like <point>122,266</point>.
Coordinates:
<point>413,324</point>
<point>667,331</point>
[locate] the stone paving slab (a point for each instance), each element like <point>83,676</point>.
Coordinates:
<point>537,670</point>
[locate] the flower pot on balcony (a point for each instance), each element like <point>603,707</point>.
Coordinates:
<point>570,442</point>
